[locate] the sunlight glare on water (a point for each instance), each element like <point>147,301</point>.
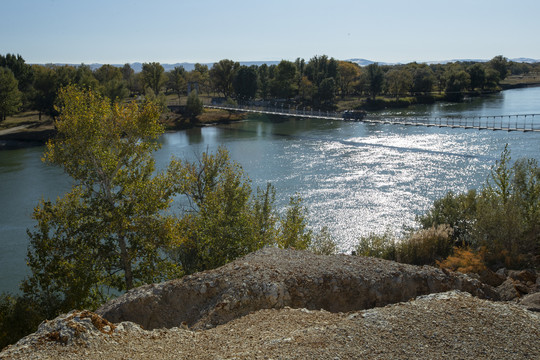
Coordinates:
<point>368,185</point>
<point>355,178</point>
<point>382,178</point>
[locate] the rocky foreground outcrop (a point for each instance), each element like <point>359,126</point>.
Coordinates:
<point>293,304</point>
<point>275,278</point>
<point>450,325</point>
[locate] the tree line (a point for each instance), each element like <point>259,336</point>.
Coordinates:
<point>318,83</point>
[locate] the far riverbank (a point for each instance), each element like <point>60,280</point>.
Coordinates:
<point>28,129</point>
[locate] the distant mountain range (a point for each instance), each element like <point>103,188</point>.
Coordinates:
<point>137,66</point>
<point>364,62</point>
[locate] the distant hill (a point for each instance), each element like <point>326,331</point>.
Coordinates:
<point>456,60</point>
<point>364,62</point>
<point>137,66</point>
<point>526,60</point>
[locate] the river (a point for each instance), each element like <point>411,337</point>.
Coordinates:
<point>355,178</point>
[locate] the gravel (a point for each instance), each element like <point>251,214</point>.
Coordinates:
<point>450,325</point>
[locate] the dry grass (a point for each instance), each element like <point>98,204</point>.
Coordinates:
<point>28,118</point>
<point>210,116</point>
<point>528,79</point>
<point>175,121</point>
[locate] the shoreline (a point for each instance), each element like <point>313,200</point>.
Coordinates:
<point>30,134</point>
<point>24,137</point>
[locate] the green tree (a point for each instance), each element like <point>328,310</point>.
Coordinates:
<point>201,75</point>
<point>47,81</point>
<point>194,105</point>
<point>439,73</point>
<point>398,81</point>
<point>85,77</point>
<point>19,317</point>
<point>222,75</point>
<point>115,90</point>
<point>508,214</point>
<point>378,245</point>
<point>113,86</point>
<point>327,92</point>
<point>457,81</point>
<point>128,75</point>
<point>423,79</point>
<point>492,79</point>
<point>321,67</point>
<point>375,79</point>
<point>294,232</point>
<point>500,64</point>
<point>221,220</point>
<point>23,73</point>
<point>477,74</point>
<point>245,82</point>
<point>348,74</point>
<point>317,70</point>
<point>323,244</point>
<point>65,75</point>
<point>264,81</point>
<point>110,229</point>
<point>283,84</point>
<point>153,76</point>
<point>177,80</point>
<point>45,89</point>
<point>10,96</point>
<point>107,73</point>
<point>519,68</point>
<point>127,72</point>
<point>306,89</point>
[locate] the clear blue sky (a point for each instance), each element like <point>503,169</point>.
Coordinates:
<point>169,31</point>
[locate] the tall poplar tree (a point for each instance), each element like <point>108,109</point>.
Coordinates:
<point>10,96</point>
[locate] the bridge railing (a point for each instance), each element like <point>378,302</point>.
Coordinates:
<point>515,122</point>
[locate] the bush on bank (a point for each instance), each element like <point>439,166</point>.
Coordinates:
<point>499,224</point>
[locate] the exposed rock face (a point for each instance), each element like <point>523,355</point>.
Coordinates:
<point>75,327</point>
<point>508,290</point>
<point>518,284</point>
<point>450,325</point>
<point>275,278</point>
<point>531,302</point>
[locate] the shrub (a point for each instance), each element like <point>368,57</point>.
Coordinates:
<point>323,244</point>
<point>503,216</point>
<point>426,246</point>
<point>456,210</point>
<point>377,245</point>
<point>19,316</point>
<point>293,232</point>
<point>508,213</point>
<point>465,261</point>
<point>223,220</point>
<point>194,105</point>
